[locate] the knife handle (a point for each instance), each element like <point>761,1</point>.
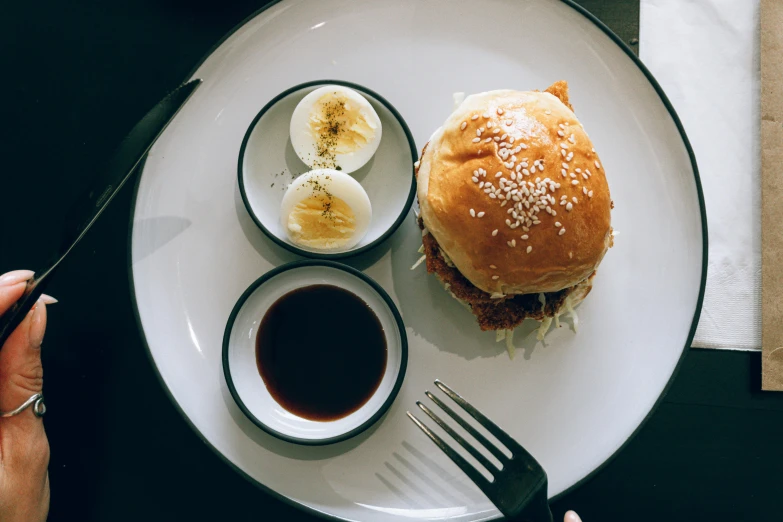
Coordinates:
<point>18,311</point>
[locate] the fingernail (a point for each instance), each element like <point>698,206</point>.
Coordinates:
<point>47,299</point>
<point>571,516</point>
<point>37,325</point>
<point>17,276</point>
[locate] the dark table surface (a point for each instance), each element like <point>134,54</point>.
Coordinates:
<point>77,76</point>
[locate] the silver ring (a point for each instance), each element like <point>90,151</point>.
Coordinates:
<point>36,401</point>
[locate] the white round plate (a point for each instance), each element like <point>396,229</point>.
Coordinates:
<point>268,164</point>
<point>572,401</point>
<point>240,364</point>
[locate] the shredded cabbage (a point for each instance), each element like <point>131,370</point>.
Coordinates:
<point>421,249</point>
<point>417,263</point>
<point>572,313</point>
<point>424,231</point>
<point>557,320</point>
<point>446,258</point>
<point>544,328</point>
<point>497,295</point>
<point>510,343</point>
<point>499,335</point>
<point>542,300</point>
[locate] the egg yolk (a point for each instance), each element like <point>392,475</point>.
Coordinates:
<point>339,126</point>
<point>322,221</point>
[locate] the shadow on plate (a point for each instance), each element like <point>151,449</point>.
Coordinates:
<point>162,230</point>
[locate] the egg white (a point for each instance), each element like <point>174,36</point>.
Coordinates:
<point>305,143</point>
<point>340,185</point>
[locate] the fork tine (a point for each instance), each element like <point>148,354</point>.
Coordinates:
<point>493,428</point>
<point>470,429</point>
<point>455,457</point>
<point>462,442</point>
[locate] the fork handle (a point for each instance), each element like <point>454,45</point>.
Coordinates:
<point>537,510</point>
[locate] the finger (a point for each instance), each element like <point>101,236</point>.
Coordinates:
<point>571,516</point>
<point>12,287</point>
<point>21,374</point>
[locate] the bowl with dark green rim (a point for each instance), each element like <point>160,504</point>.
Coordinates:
<point>268,164</point>
<point>240,361</point>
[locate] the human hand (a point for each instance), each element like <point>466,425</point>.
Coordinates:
<point>24,448</point>
<point>571,516</point>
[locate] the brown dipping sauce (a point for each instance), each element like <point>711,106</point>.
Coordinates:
<point>321,352</point>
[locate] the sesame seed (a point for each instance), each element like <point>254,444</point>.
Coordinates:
<point>497,139</point>
<point>464,124</point>
<point>562,152</point>
<point>575,182</point>
<point>522,146</point>
<point>571,139</point>
<point>476,140</point>
<point>529,249</point>
<point>597,165</point>
<point>493,196</point>
<point>513,242</point>
<point>554,212</point>
<point>486,115</point>
<point>495,277</point>
<point>567,124</point>
<point>495,232</point>
<point>509,122</point>
<point>481,185</point>
<point>487,140</point>
<point>480,214</point>
<point>571,174</point>
<point>562,126</point>
<point>504,203</point>
<point>563,146</point>
<point>479,131</point>
<point>490,124</point>
<point>593,150</point>
<point>474,117</point>
<point>524,236</point>
<point>563,202</point>
<point>497,175</point>
<point>547,111</point>
<point>574,199</point>
<point>496,130</point>
<point>511,139</point>
<point>578,169</point>
<point>504,136</point>
<point>525,172</point>
<point>584,190</point>
<point>563,172</point>
<point>558,224</point>
<point>561,133</point>
<point>590,194</point>
<point>492,267</point>
<point>514,174</point>
<point>584,175</point>
<point>472,213</point>
<point>508,221</point>
<point>569,207</point>
<point>500,111</point>
<point>570,156</point>
<point>475,179</point>
<point>562,231</point>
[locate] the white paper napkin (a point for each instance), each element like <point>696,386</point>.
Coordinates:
<point>705,54</point>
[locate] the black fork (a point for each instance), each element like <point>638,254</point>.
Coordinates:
<point>518,488</point>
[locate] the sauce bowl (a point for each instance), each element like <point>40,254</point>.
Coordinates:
<point>240,359</point>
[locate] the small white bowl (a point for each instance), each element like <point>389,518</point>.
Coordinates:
<point>239,352</point>
<point>268,163</point>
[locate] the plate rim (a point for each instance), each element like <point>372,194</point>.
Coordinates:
<point>382,409</point>
<point>696,315</point>
<point>326,255</point>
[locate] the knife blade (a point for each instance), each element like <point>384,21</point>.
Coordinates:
<point>90,205</point>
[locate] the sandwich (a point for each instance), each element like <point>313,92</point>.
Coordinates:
<point>515,209</point>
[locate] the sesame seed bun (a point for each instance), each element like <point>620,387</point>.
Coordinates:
<point>537,251</point>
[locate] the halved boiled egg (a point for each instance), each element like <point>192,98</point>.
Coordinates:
<point>335,127</point>
<point>324,210</point>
